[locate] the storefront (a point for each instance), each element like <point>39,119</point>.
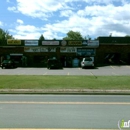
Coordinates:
<point>17,57</point>
<point>113,50</point>
<point>36,52</point>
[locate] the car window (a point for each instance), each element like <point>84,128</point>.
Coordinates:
<point>88,59</point>
<point>52,61</point>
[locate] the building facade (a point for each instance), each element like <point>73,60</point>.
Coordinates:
<point>113,50</point>
<point>36,53</point>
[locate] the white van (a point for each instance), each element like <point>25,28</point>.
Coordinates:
<point>87,61</point>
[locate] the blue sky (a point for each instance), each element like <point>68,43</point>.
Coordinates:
<point>28,19</point>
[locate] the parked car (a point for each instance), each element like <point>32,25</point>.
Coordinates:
<point>8,64</point>
<point>87,62</point>
<point>53,63</point>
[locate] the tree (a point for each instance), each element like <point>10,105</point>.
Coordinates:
<point>41,37</point>
<point>110,35</point>
<point>127,36</point>
<point>71,35</point>
<point>4,35</point>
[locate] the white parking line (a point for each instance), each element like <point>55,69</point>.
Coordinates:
<point>91,74</point>
<point>66,103</point>
<point>45,73</point>
<point>112,67</point>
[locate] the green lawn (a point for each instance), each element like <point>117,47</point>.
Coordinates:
<point>64,82</point>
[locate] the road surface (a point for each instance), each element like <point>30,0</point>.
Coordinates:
<point>63,111</point>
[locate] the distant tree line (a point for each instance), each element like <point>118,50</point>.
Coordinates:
<point>4,35</point>
<point>71,35</point>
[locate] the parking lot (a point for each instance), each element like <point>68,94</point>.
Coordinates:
<point>105,70</point>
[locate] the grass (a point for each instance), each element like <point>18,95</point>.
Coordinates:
<point>64,82</point>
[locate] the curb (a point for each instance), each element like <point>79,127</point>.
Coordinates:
<point>63,91</point>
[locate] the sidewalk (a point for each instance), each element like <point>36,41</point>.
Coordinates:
<point>63,91</point>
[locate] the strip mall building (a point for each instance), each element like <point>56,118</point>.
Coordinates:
<point>110,50</point>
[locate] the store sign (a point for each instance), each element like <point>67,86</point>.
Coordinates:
<point>75,43</point>
<point>31,49</point>
<point>85,43</point>
<point>48,49</point>
<point>91,43</point>
<point>16,54</point>
<point>86,52</point>
<point>68,49</point>
<point>63,43</point>
<point>31,43</point>
<point>50,43</point>
<point>13,42</point>
<point>39,49</point>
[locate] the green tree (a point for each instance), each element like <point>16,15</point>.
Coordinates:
<point>127,36</point>
<point>41,37</point>
<point>4,35</point>
<point>71,35</point>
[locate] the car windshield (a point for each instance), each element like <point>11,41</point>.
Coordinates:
<point>88,59</point>
<point>52,61</point>
<point>7,61</point>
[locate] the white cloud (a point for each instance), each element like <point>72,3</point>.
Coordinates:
<point>106,2</point>
<point>49,34</point>
<point>23,35</point>
<point>26,32</point>
<point>27,28</point>
<point>38,8</point>
<point>66,13</point>
<point>94,18</point>
<point>20,21</point>
<point>7,1</point>
<point>1,24</point>
<point>14,9</point>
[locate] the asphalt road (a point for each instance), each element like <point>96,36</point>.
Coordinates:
<point>63,111</point>
<point>105,70</point>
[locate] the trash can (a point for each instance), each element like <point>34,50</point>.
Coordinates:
<point>75,62</point>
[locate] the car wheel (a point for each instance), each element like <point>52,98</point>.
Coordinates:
<point>82,67</point>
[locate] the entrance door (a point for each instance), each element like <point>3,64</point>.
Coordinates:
<point>17,58</point>
<point>112,58</point>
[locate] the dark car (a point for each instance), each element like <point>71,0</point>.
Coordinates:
<point>8,64</point>
<point>54,64</point>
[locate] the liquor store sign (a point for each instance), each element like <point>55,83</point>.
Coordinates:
<point>75,43</point>
<point>13,42</point>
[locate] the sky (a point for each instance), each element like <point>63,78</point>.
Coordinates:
<point>29,19</point>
